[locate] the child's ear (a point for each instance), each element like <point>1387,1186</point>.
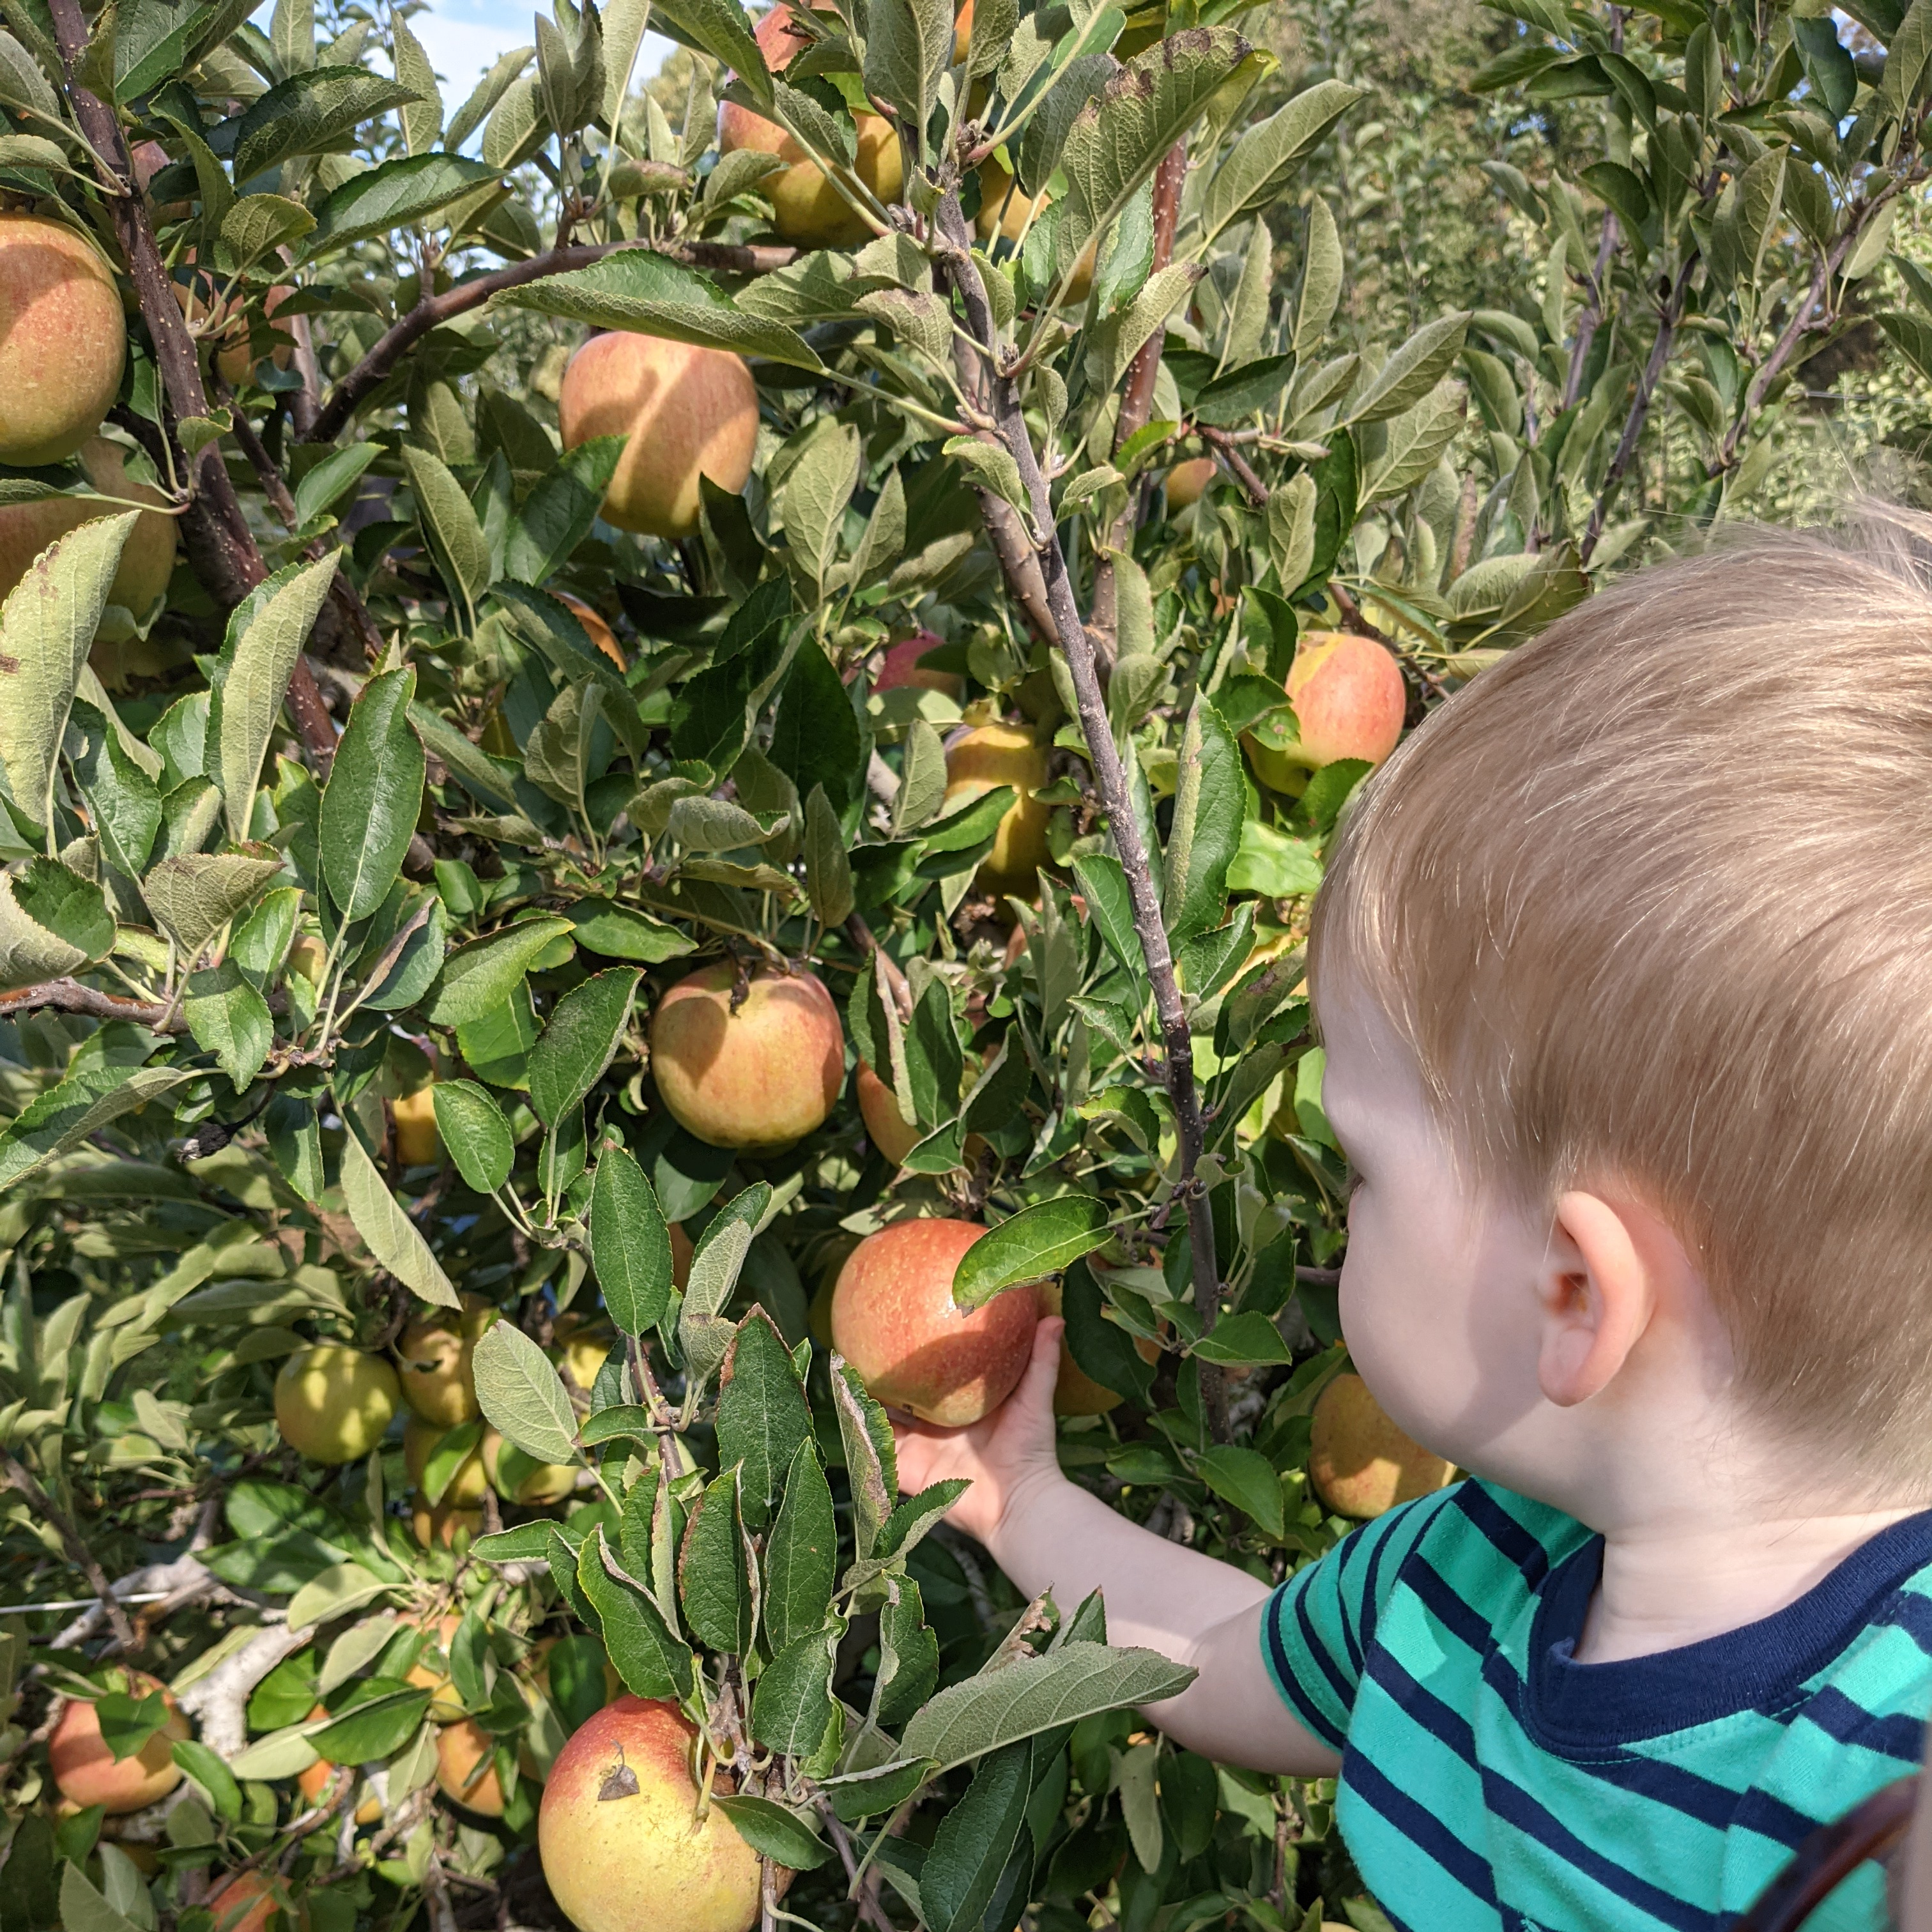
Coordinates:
<point>1597,1298</point>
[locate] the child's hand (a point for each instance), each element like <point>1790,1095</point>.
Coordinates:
<point>1008,1451</point>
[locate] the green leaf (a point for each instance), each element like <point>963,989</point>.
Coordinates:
<point>1246,1478</point>
<point>581,1041</point>
<point>83,1908</point>
<point>908,46</point>
<point>229,1019</point>
<point>47,624</point>
<point>478,978</point>
<point>208,1770</point>
<point>775,1833</point>
<point>714,1583</point>
<point>792,1706</point>
<point>1413,370</point>
<point>651,1661</point>
<point>390,1235</point>
<point>1028,1694</point>
<point>974,1839</point>
<point>193,896</point>
<point>370,1732</point>
<point>397,194</point>
<point>1267,158</point>
<point>871,1459</point>
<point>257,223</point>
<point>1103,884</point>
<point>815,737</point>
<point>258,680</point>
<point>637,289</point>
<point>474,1130</point>
<point>630,1243</point>
<point>449,522</point>
<point>469,763</point>
<point>122,798</point>
<point>763,1417</point>
<point>1100,1349</point>
<point>1209,808</point>
<point>81,1105</point>
<point>1038,1241</point>
<point>1116,142</point>
<point>312,113</point>
<point>622,932</point>
<point>801,1554</point>
<point>828,871</point>
<point>30,951</point>
<point>373,795</point>
<point>908,1655</point>
<point>1273,863</point>
<point>522,1395</point>
<point>702,1333</point>
<point>1243,1340</point>
<point>557,515</point>
<point>720,27</point>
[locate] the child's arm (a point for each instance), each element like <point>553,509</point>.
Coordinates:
<point>1046,1532</point>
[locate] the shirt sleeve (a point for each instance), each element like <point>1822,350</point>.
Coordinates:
<point>1319,1623</point>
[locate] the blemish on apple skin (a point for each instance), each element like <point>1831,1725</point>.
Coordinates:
<point>8,666</point>
<point>619,1781</point>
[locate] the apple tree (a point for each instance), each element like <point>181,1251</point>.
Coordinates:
<point>746,669</point>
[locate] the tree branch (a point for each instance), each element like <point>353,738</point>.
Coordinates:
<point>1136,405</point>
<point>1669,316</point>
<point>17,1477</point>
<point>1591,318</point>
<point>69,996</point>
<point>1076,641</point>
<point>434,311</point>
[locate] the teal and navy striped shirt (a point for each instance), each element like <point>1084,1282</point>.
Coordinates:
<point>1489,1781</point>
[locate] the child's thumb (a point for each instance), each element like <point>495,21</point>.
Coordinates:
<point>1042,1370</point>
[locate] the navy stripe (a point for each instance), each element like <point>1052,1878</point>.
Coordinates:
<point>1343,1686</point>
<point>1510,1802</point>
<point>1347,1596</point>
<point>1372,1603</point>
<point>1499,1528</point>
<point>1911,1612</point>
<point>1422,1828</point>
<point>1838,1717</point>
<point>1316,1719</point>
<point>1475,1632</point>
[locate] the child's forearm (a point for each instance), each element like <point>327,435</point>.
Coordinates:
<point>1054,1535</point>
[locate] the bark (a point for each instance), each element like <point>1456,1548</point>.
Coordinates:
<point>1076,641</point>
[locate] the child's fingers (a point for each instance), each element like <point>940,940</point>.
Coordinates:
<point>1036,1389</point>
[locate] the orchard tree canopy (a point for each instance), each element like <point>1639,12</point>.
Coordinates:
<point>623,705</point>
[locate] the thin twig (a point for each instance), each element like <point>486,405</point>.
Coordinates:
<point>1077,643</point>
<point>866,1896</point>
<point>69,996</point>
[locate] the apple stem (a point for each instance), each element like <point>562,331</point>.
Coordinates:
<point>1077,643</point>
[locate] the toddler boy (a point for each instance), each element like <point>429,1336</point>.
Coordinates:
<point>1624,970</point>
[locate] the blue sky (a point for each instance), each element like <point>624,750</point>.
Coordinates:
<point>464,37</point>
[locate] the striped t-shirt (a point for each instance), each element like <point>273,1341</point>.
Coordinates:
<point>1489,1780</point>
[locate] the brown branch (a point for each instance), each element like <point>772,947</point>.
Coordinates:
<point>1230,460</point>
<point>1670,314</point>
<point>1591,318</point>
<point>1136,405</point>
<point>1077,643</point>
<point>866,1897</point>
<point>432,311</point>
<point>16,1476</point>
<point>69,996</point>
<point>861,935</point>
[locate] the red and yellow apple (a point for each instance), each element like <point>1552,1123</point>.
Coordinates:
<point>323,1781</point>
<point>623,1842</point>
<point>806,208</point>
<point>894,1319</point>
<point>87,1773</point>
<point>900,666</point>
<point>1186,482</point>
<point>686,412</point>
<point>595,628</point>
<point>466,1773</point>
<point>978,761</point>
<point>1348,699</point>
<point>763,1076</point>
<point>1005,214</point>
<point>1360,1462</point>
<point>885,1126</point>
<point>333,1403</point>
<point>63,339</point>
<point>147,559</point>
<point>250,1899</point>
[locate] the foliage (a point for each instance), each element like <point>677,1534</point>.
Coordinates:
<point>239,949</point>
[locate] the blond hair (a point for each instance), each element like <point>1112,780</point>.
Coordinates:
<point>1653,897</point>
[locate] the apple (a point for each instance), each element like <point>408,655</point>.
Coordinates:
<point>148,560</point>
<point>623,1842</point>
<point>63,339</point>
<point>87,1772</point>
<point>894,1319</point>
<point>333,1403</point>
<point>465,1772</point>
<point>234,357</point>
<point>581,1345</point>
<point>599,633</point>
<point>1075,1391</point>
<point>249,1900</point>
<point>430,1672</point>
<point>762,1076</point>
<point>548,1482</point>
<point>900,666</point>
<point>686,412</point>
<point>418,1143</point>
<point>1360,1462</point>
<point>323,1781</point>
<point>466,1487</point>
<point>1185,481</point>
<point>806,208</point>
<point>434,1353</point>
<point>437,1525</point>
<point>885,1126</point>
<point>1348,700</point>
<point>682,1249</point>
<point>991,755</point>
